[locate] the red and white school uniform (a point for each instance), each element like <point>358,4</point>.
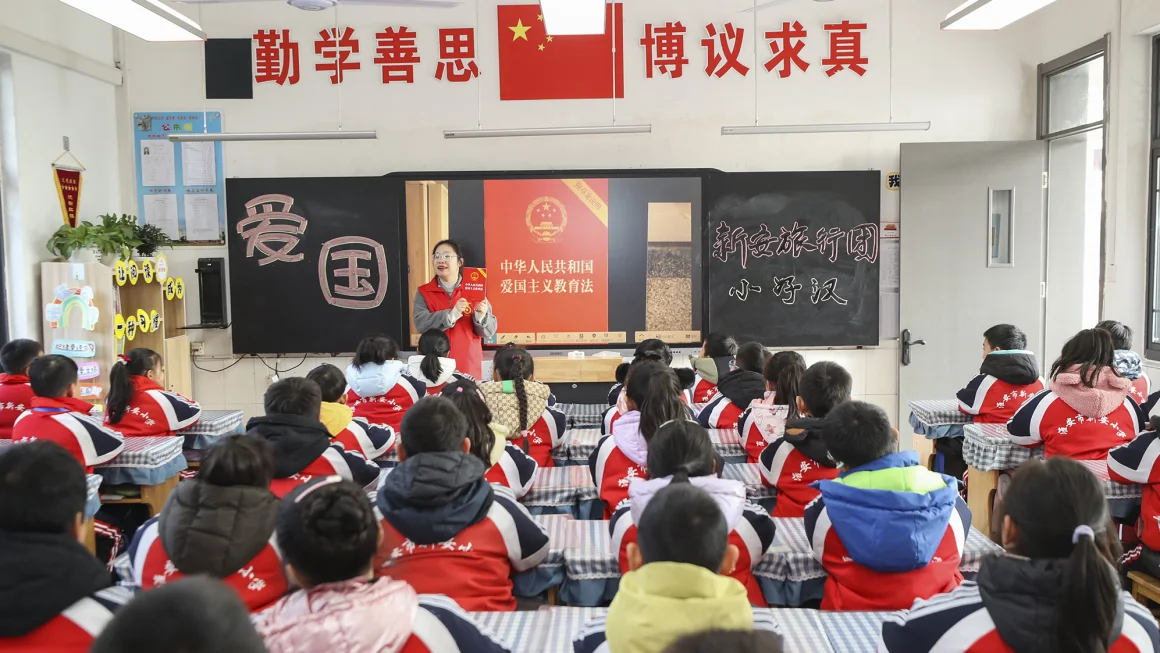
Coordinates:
<point>792,464</point>
<point>154,411</point>
<point>751,528</point>
<point>1006,381</point>
<point>1135,464</point>
<point>720,413</point>
<point>1105,419</point>
<point>514,470</point>
<point>258,584</point>
<point>382,393</point>
<point>617,460</point>
<point>15,397</point>
<point>75,628</point>
<point>702,392</point>
<point>334,461</point>
<point>66,421</point>
<point>370,441</point>
<point>1141,389</point>
<point>447,374</point>
<point>546,435</point>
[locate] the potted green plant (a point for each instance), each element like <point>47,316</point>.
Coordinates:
<point>115,236</point>
<point>75,244</point>
<point>152,238</point>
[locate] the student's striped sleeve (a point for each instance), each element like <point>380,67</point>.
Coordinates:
<point>591,637</point>
<point>772,461</point>
<point>710,411</point>
<point>1140,626</point>
<point>351,466</point>
<point>180,413</point>
<point>520,469</point>
<point>618,528</point>
<point>557,423</point>
<point>1148,408</point>
<point>441,626</point>
<point>817,522</point>
<point>1023,428</point>
<point>971,397</point>
<point>527,541</point>
<point>374,440</point>
<point>756,529</point>
<point>1135,462</point>
<point>614,393</point>
<point>606,419</point>
<point>99,443</point>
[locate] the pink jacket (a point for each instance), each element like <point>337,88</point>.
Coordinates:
<point>1107,395</point>
<point>354,616</point>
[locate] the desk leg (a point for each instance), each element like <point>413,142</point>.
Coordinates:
<point>980,486</point>
<point>90,536</point>
<point>154,496</point>
<point>553,596</point>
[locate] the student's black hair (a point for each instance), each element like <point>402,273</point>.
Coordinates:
<point>1047,501</point>
<point>1092,350</point>
<point>50,376</point>
<point>681,449</point>
<point>464,395</point>
<point>718,345</point>
<point>752,357</point>
<point>452,244</point>
<point>683,523</point>
<point>433,425</point>
<point>823,386</point>
<point>857,433</point>
<point>140,361</point>
<point>327,531</point>
<point>1006,337</point>
<point>651,349</point>
<point>192,615</point>
<point>433,345</point>
<point>515,364</point>
<point>655,390</point>
<point>785,370</point>
<point>375,349</point>
<point>727,641</point>
<point>238,460</point>
<point>1121,333</point>
<point>331,381</point>
<point>15,355</point>
<point>293,396</point>
<point>42,488</point>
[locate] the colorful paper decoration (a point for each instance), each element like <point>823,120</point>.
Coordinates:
<point>162,267</point>
<point>74,348</point>
<point>88,370</point>
<point>134,272</point>
<point>179,288</point>
<point>143,321</point>
<point>147,271</point>
<point>64,300</point>
<point>119,327</point>
<point>130,329</point>
<point>170,288</point>
<point>120,272</point>
<point>154,321</point>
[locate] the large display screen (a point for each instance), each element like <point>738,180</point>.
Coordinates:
<point>578,261</point>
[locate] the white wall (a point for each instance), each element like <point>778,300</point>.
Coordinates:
<point>41,104</point>
<point>976,94</point>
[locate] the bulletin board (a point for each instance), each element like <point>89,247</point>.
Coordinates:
<point>180,186</point>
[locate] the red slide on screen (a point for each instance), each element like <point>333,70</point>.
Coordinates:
<point>547,253</point>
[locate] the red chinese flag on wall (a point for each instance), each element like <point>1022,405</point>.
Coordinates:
<point>536,66</point>
<point>547,254</point>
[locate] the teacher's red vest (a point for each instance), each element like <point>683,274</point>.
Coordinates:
<point>466,347</point>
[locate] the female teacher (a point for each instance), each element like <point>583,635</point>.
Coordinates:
<point>439,304</point>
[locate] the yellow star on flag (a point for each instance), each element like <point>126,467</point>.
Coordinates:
<point>549,39</point>
<point>541,47</point>
<point>520,30</point>
<point>540,17</point>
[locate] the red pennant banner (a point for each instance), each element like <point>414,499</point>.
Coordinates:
<point>68,189</point>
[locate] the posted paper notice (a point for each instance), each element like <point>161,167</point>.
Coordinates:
<point>161,212</point>
<point>198,164</point>
<point>201,216</point>
<point>158,167</point>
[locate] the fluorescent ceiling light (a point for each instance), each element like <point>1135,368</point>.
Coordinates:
<point>991,14</point>
<point>148,20</point>
<point>568,17</point>
<point>826,129</point>
<point>275,136</point>
<point>548,131</point>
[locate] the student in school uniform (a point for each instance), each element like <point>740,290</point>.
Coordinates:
<point>523,405</point>
<point>445,530</point>
<point>1008,377</point>
<point>1086,411</point>
<point>1135,464</point>
<point>507,464</point>
<point>56,595</point>
<point>433,366</point>
<point>1054,590</point>
<point>796,461</point>
<point>653,396</point>
<point>715,361</point>
<point>15,390</point>
<point>355,434</point>
<point>380,389</point>
<point>678,582</point>
<point>57,415</point>
<point>649,351</point>
<point>652,349</point>
<point>302,446</point>
<point>219,524</point>
<point>886,530</point>
<point>193,615</point>
<point>1128,363</point>
<point>681,451</point>
<point>138,404</point>
<point>764,421</point>
<point>329,534</point>
<point>737,389</point>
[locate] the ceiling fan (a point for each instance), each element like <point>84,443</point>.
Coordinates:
<point>321,5</point>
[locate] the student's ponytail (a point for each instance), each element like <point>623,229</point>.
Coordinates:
<point>1059,511</point>
<point>515,364</point>
<point>658,397</point>
<point>785,370</point>
<point>135,363</point>
<point>465,395</point>
<point>681,449</point>
<point>433,344</point>
<point>1091,350</point>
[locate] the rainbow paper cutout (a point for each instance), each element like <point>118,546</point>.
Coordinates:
<point>64,300</point>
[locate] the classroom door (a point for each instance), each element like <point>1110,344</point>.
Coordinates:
<point>973,218</point>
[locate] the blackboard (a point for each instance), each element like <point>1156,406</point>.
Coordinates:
<point>315,263</point>
<point>793,257</point>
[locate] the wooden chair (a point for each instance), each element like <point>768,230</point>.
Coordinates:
<point>1145,589</point>
<point>152,496</point>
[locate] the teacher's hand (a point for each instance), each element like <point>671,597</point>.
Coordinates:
<point>482,308</point>
<point>462,307</point>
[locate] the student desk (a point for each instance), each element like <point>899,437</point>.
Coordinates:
<point>755,490</point>
<point>988,450</point>
<point>213,426</point>
<point>153,464</point>
<point>937,418</point>
<point>582,442</point>
<point>564,491</point>
<point>582,416</point>
<point>853,632</point>
<point>92,505</point>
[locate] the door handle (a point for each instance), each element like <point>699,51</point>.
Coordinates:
<point>907,343</point>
